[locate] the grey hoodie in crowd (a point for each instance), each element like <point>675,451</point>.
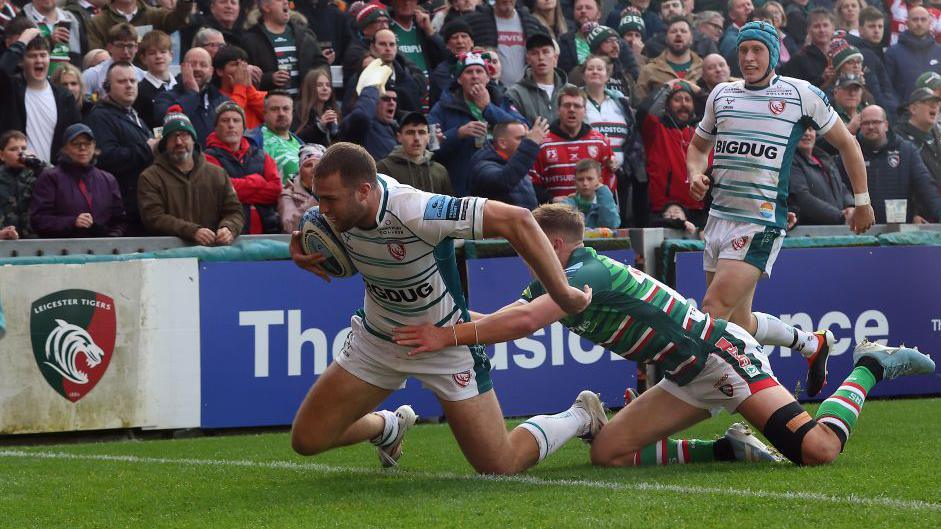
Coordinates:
<point>425,174</point>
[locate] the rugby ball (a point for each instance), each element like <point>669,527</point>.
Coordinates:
<point>318,236</point>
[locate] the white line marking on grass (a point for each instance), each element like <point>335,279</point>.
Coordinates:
<point>852,499</point>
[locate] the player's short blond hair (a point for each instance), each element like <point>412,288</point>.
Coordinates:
<point>561,219</point>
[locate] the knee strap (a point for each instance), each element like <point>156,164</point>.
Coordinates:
<point>787,437</point>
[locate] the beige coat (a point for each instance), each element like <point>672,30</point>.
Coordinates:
<point>658,72</point>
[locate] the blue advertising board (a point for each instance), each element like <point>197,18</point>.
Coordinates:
<point>880,293</point>
<point>268,329</point>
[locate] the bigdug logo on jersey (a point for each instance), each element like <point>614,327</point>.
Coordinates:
<point>747,148</point>
<point>401,295</point>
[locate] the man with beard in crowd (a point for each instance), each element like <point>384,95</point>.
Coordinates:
<point>184,196</point>
<point>676,62</point>
<point>668,123</point>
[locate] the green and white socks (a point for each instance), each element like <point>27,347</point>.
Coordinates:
<point>553,431</point>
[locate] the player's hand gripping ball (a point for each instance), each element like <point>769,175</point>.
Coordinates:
<point>318,236</point>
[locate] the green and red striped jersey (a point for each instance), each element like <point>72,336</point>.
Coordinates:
<point>637,316</point>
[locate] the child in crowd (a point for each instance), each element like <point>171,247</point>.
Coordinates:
<point>155,55</point>
<point>593,199</point>
<point>18,171</point>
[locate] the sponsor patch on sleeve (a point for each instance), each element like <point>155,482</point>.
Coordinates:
<point>443,207</point>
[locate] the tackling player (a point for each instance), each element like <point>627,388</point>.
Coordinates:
<point>709,364</point>
<point>754,126</point>
<point>400,240</point>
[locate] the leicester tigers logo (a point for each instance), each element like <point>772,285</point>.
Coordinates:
<point>73,335</point>
<point>777,106</point>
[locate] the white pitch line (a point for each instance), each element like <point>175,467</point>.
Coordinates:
<point>852,499</point>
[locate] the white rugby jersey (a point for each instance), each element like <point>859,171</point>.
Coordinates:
<point>756,132</point>
<point>407,260</point>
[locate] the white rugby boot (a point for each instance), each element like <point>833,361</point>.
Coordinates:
<point>389,455</point>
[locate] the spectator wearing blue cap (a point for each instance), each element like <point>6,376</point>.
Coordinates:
<point>75,198</point>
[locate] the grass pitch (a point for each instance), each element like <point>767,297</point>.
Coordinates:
<point>888,477</point>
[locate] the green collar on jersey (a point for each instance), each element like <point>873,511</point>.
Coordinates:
<point>385,200</point>
<point>774,79</point>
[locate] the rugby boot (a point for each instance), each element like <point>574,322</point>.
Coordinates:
<point>896,361</point>
<point>817,363</point>
<point>589,401</point>
<point>747,447</point>
<point>389,455</point>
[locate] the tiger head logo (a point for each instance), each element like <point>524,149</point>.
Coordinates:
<point>73,335</point>
<point>63,346</point>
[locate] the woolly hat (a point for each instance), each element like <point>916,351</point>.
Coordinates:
<point>631,22</point>
<point>229,106</point>
<point>766,34</point>
<point>458,25</point>
<point>841,51</point>
<point>598,35</point>
<point>175,121</point>
<point>471,58</point>
<point>310,150</point>
<point>369,14</point>
<point>928,80</point>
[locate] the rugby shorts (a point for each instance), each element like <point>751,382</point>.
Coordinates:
<point>453,374</point>
<point>738,369</point>
<point>755,244</point>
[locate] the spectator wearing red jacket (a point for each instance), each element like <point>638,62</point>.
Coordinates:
<point>253,173</point>
<point>668,122</point>
<point>570,139</point>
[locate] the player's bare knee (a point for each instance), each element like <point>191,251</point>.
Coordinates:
<point>497,468</point>
<point>820,453</point>
<point>714,306</point>
<point>606,454</point>
<point>306,444</point>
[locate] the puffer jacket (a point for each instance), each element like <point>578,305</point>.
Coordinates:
<point>505,179</point>
<point>426,175</point>
<point>910,57</point>
<point>895,171</point>
<point>818,194</point>
<point>254,176</point>
<point>456,151</point>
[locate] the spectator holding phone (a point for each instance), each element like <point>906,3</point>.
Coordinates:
<point>60,27</point>
<point>18,171</point>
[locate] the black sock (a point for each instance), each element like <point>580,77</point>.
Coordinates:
<point>873,366</point>
<point>723,450</point>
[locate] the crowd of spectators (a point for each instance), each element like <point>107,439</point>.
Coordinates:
<point>206,119</point>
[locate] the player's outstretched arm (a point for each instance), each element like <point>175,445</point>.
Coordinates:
<point>697,161</point>
<point>518,226</point>
<point>509,323</point>
<point>839,136</point>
